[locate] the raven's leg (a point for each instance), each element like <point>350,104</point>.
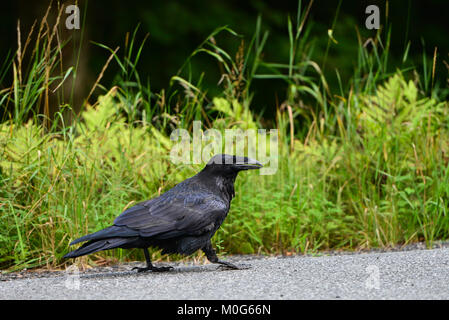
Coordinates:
<point>150,265</point>
<point>212,257</point>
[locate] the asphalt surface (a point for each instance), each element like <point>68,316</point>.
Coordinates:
<point>415,274</point>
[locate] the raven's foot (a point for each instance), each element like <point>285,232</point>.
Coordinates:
<point>141,269</point>
<point>152,268</point>
<point>161,269</point>
<point>231,266</point>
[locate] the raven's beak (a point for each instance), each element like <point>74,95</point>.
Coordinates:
<point>244,163</point>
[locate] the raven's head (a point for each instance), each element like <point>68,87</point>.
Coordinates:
<point>223,170</point>
<point>232,164</point>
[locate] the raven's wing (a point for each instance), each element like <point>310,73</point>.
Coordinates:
<point>175,214</point>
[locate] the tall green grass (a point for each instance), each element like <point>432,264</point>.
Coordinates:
<point>362,165</point>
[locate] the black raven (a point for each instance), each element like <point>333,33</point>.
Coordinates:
<point>182,220</point>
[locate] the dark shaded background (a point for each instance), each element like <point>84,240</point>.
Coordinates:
<point>176,28</point>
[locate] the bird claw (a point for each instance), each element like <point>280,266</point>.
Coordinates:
<point>141,269</point>
<point>231,266</point>
<point>161,269</point>
<point>153,269</point>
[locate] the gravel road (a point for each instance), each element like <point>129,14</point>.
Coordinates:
<point>413,274</point>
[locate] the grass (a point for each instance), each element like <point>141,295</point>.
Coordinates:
<point>361,165</point>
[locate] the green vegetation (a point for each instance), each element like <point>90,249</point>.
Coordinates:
<point>363,164</point>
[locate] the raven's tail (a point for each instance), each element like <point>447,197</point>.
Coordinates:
<point>99,245</point>
<point>109,238</point>
<point>109,232</point>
